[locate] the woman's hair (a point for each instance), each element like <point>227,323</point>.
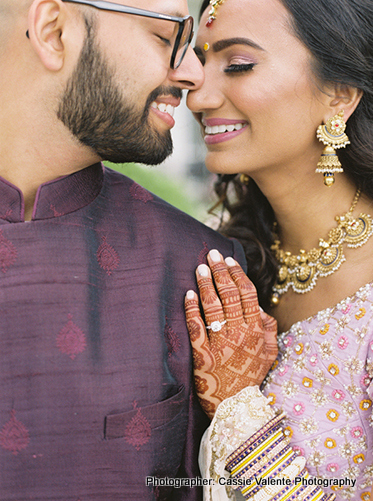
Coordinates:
<point>339,35</point>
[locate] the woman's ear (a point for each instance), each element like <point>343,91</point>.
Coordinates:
<point>343,97</point>
<point>46,22</point>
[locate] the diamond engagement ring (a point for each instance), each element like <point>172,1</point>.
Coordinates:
<point>216,326</point>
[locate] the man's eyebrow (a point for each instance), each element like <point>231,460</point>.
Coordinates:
<point>174,14</point>
<point>228,42</point>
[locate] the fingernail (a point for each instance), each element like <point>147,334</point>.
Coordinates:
<point>190,295</point>
<point>261,309</point>
<point>215,255</point>
<point>230,261</point>
<point>203,270</point>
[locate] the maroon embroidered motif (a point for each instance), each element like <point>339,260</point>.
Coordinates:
<point>71,340</point>
<point>172,339</point>
<point>139,193</point>
<point>14,436</point>
<point>138,430</point>
<point>8,213</point>
<point>8,253</point>
<point>107,257</point>
<point>157,493</point>
<point>55,212</point>
<point>203,254</point>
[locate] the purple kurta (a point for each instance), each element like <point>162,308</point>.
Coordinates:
<point>324,384</point>
<point>95,361</point>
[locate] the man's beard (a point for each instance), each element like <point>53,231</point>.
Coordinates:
<point>95,111</point>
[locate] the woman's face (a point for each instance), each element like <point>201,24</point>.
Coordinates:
<point>260,105</point>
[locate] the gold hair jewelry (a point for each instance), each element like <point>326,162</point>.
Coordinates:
<point>206,47</point>
<point>332,135</point>
<point>212,13</point>
<point>301,272</point>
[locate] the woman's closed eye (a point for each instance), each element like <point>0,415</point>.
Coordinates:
<point>239,68</point>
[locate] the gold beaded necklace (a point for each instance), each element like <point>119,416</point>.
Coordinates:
<point>300,272</point>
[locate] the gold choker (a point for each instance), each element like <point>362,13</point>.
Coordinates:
<point>301,272</point>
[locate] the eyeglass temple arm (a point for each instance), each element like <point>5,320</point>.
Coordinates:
<point>98,4</point>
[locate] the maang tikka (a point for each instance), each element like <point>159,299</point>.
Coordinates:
<point>332,135</point>
<point>212,12</point>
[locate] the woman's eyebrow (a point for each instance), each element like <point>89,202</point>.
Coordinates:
<point>228,42</point>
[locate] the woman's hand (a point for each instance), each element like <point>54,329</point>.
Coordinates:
<point>238,345</point>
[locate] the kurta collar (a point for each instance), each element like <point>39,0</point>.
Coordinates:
<point>55,198</point>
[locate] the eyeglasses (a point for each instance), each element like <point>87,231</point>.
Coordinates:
<point>184,35</point>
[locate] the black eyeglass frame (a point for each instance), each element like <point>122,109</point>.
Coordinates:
<point>124,9</point>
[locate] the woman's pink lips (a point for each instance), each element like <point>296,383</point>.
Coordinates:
<point>224,136</point>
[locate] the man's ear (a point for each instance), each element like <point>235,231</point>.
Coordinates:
<point>343,97</point>
<point>46,24</point>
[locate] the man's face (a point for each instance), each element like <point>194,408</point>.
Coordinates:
<point>101,116</point>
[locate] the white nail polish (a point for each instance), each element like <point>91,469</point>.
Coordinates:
<point>190,295</point>
<point>230,261</point>
<point>215,256</point>
<point>203,270</point>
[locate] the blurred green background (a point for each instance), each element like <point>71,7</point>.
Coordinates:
<point>174,191</point>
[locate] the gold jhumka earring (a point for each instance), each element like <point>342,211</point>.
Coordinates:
<point>332,135</point>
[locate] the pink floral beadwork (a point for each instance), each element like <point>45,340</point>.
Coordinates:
<point>357,432</point>
<point>298,450</point>
<point>332,379</point>
<point>365,380</point>
<point>313,360</point>
<point>338,395</point>
<point>343,342</point>
<point>288,341</point>
<point>283,370</point>
<point>298,408</point>
<point>332,467</point>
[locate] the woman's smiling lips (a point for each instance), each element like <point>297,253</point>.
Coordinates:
<point>218,130</point>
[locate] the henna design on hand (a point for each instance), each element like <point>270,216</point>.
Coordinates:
<point>198,360</point>
<point>194,330</point>
<point>201,384</point>
<point>242,352</point>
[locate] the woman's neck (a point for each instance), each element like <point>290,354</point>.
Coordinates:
<point>305,209</point>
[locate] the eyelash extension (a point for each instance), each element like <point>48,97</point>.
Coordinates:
<point>239,68</point>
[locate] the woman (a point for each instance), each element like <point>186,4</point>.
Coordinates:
<point>282,79</point>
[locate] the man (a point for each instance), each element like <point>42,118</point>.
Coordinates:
<point>95,361</point>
